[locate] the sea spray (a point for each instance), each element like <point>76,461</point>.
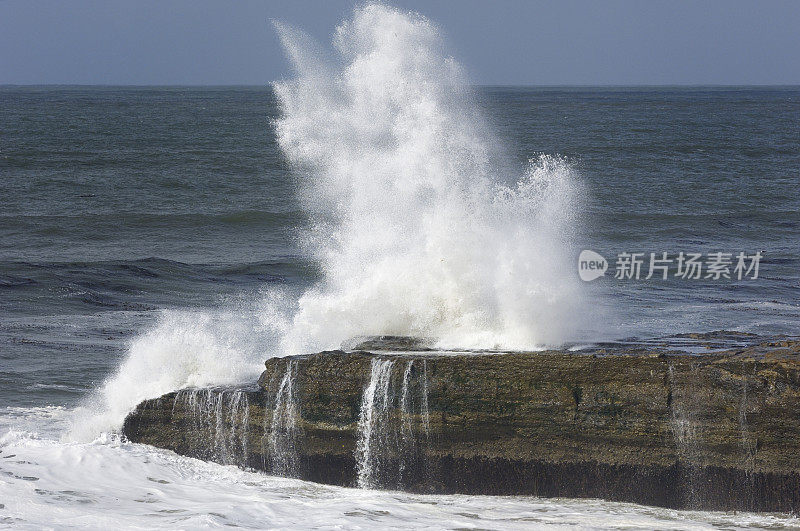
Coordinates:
<point>186,349</point>
<point>418,226</point>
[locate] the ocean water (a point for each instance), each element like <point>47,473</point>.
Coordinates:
<point>155,238</point>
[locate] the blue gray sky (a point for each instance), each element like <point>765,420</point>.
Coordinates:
<point>517,42</point>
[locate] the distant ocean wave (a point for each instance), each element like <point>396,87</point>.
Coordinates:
<point>152,220</point>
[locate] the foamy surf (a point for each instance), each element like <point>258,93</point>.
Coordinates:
<point>182,349</point>
<point>107,483</point>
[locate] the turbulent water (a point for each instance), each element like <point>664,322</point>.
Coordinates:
<point>421,226</point>
<point>153,239</point>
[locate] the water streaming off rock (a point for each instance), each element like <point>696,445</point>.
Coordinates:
<point>748,444</point>
<point>221,419</point>
<point>372,422</point>
<point>281,436</point>
<point>683,424</point>
<point>695,438</point>
<point>393,423</point>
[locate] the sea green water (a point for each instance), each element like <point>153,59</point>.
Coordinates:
<point>117,203</point>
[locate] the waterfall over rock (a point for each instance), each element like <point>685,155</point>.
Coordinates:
<point>632,423</point>
<point>220,418</point>
<point>388,443</point>
<point>373,424</point>
<point>282,433</point>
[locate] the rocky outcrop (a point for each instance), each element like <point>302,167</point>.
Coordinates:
<point>642,423</point>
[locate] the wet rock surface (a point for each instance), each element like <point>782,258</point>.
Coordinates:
<point>698,421</point>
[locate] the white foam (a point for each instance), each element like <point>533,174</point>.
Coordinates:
<point>183,349</point>
<point>107,484</point>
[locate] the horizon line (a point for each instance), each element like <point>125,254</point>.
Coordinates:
<point>473,85</point>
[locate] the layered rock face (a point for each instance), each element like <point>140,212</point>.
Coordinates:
<point>636,423</point>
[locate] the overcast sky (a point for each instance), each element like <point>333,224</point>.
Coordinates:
<point>500,42</point>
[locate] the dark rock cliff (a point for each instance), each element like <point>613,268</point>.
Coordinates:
<point>641,423</point>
